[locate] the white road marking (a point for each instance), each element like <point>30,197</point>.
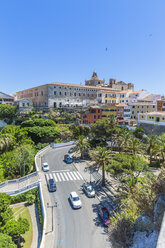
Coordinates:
<point>73,175</point>
<point>55,178</point>
<point>79,175</point>
<point>62,176</point>
<point>65,176</point>
<point>58,177</point>
<point>76,175</point>
<point>69,176</point>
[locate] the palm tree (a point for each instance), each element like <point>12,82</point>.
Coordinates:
<point>134,145</point>
<point>102,158</point>
<point>161,148</point>
<point>82,144</point>
<point>6,141</point>
<point>152,147</point>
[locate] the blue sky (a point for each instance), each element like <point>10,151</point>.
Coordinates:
<point>64,41</point>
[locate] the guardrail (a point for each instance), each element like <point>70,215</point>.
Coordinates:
<point>24,189</point>
<point>21,179</point>
<point>161,238</point>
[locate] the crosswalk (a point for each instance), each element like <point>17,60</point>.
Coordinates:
<point>64,176</point>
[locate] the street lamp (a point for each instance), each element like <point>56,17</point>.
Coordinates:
<point>52,206</point>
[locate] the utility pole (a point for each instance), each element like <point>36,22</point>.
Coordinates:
<point>52,206</point>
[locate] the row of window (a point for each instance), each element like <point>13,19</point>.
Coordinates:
<point>142,106</point>
<point>73,94</point>
<point>67,88</point>
<point>109,110</point>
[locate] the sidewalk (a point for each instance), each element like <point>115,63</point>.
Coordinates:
<point>106,195</point>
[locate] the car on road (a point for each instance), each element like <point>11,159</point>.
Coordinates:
<point>75,200</point>
<point>68,159</point>
<point>88,190</point>
<point>104,215</point>
<point>51,185</point>
<point>45,167</point>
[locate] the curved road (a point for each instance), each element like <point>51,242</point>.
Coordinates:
<point>73,228</point>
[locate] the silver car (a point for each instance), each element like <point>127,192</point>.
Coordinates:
<point>88,189</point>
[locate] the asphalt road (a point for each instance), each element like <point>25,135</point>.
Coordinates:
<point>79,228</point>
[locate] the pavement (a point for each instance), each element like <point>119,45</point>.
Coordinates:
<point>108,195</point>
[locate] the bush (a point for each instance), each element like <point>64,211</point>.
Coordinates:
<point>30,198</point>
<point>38,122</point>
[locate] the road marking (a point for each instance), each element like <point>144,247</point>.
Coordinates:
<point>60,170</point>
<point>55,178</point>
<point>69,176</point>
<point>47,177</point>
<point>51,176</point>
<point>62,176</point>
<point>73,175</point>
<point>66,176</point>
<point>76,175</point>
<point>58,177</point>
<point>79,175</point>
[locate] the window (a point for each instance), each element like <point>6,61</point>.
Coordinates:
<point>42,93</point>
<point>98,110</point>
<point>55,93</point>
<point>60,93</point>
<point>65,93</point>
<point>27,104</point>
<point>75,94</point>
<point>153,106</point>
<point>94,116</point>
<point>98,116</point>
<point>132,112</point>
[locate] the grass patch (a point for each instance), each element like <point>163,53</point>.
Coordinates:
<point>23,212</point>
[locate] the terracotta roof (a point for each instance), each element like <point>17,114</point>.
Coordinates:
<point>121,105</point>
<point>149,97</point>
<point>72,85</point>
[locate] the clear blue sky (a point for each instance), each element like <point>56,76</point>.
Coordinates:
<point>43,41</point>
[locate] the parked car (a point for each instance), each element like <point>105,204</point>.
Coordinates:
<point>104,215</point>
<point>51,185</point>
<point>75,200</point>
<point>71,150</point>
<point>68,159</point>
<point>88,189</point>
<point>45,167</point>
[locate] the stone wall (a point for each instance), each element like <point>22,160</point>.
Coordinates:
<point>152,129</point>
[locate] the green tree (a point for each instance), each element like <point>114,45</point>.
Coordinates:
<point>127,164</point>
<point>8,112</point>
<point>6,241</point>
<point>152,147</point>
<point>104,129</point>
<point>139,132</point>
<point>7,142</point>
<point>15,228</point>
<point>82,144</point>
<point>102,158</point>
<point>135,145</point>
<point>38,122</point>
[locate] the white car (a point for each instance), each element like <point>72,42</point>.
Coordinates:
<point>75,200</point>
<point>45,167</point>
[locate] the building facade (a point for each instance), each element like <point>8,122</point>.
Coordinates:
<point>61,95</point>
<point>6,99</point>
<point>94,80</point>
<point>138,107</point>
<point>161,104</point>
<point>108,110</point>
<point>24,104</point>
<point>92,115</point>
<point>120,85</point>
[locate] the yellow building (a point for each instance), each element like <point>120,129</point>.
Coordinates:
<point>108,110</point>
<point>141,107</point>
<point>156,117</point>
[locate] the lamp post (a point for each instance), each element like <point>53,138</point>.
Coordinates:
<point>52,206</point>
